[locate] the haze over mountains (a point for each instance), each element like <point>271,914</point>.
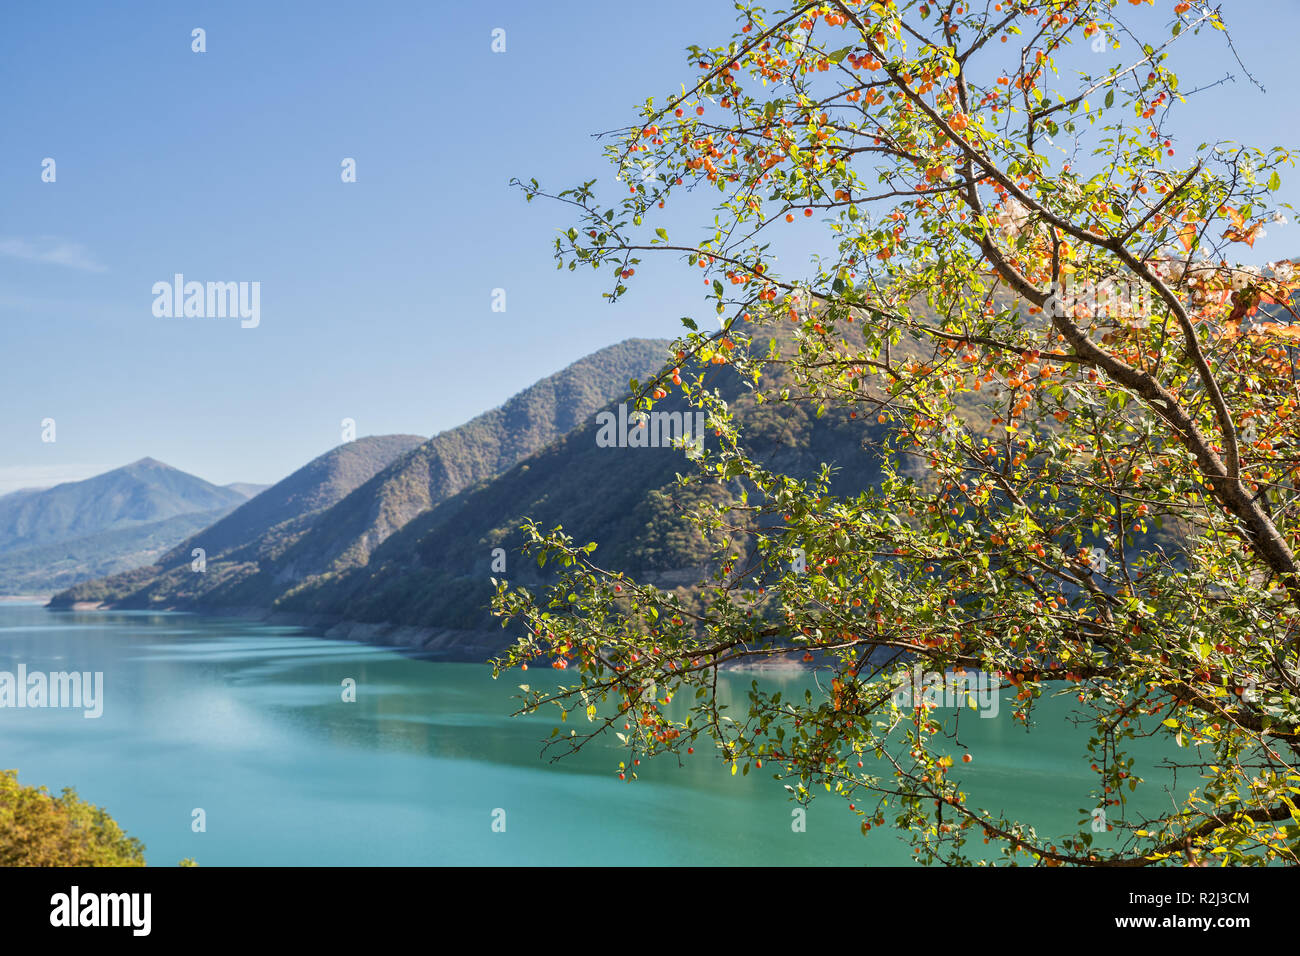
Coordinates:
<point>54,537</point>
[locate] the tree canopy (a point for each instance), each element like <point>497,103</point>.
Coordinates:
<point>37,829</point>
<point>1089,482</point>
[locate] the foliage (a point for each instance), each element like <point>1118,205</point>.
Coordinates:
<point>1004,234</point>
<point>37,829</point>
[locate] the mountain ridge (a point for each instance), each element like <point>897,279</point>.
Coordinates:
<point>427,585</point>
<point>246,567</point>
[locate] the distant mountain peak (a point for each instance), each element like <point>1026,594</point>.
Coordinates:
<point>144,493</point>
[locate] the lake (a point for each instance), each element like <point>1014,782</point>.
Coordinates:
<point>246,721</point>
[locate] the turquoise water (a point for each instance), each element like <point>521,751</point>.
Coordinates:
<point>246,721</point>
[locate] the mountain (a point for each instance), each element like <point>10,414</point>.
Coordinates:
<point>140,493</point>
<point>424,580</point>
<point>20,493</point>
<point>259,529</point>
<point>52,538</point>
<point>429,584</point>
<point>480,449</point>
<point>276,543</point>
<point>47,568</point>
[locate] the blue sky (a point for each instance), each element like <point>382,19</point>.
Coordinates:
<point>375,296</point>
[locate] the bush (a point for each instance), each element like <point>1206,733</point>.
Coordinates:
<point>37,829</point>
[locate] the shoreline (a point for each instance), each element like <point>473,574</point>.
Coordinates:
<point>448,645</point>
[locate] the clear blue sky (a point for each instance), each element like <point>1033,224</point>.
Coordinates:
<point>375,295</point>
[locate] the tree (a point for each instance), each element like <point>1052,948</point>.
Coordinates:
<point>37,829</point>
<point>1090,479</point>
